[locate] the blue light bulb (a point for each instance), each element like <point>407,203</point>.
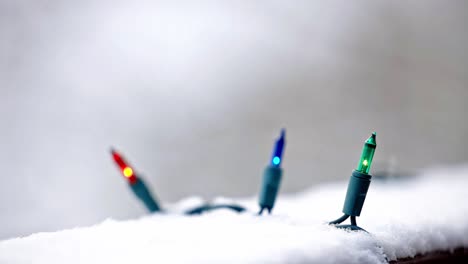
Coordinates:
<point>272,176</point>
<point>278,149</point>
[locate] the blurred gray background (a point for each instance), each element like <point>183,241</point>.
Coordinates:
<point>194,94</point>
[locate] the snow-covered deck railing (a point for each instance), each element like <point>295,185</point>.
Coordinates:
<point>405,218</point>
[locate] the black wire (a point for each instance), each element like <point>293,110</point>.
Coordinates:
<point>353,221</point>
<point>339,220</point>
<point>263,208</point>
<point>209,207</point>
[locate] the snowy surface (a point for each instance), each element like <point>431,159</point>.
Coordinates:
<point>404,218</point>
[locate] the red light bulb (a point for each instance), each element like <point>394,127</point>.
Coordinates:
<point>126,170</point>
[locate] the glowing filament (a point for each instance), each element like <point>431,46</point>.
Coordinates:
<point>276,160</point>
<point>128,172</point>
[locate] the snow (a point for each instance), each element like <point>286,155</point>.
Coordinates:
<point>404,217</point>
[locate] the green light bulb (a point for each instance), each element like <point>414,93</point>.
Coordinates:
<point>367,154</point>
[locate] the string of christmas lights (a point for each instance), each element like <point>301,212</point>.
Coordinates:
<point>358,185</point>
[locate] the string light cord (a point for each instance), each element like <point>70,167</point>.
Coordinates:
<point>263,208</point>
<point>339,220</point>
<point>353,226</point>
<point>210,207</point>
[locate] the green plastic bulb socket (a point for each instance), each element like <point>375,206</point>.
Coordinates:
<point>270,186</point>
<point>143,193</point>
<point>356,193</point>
